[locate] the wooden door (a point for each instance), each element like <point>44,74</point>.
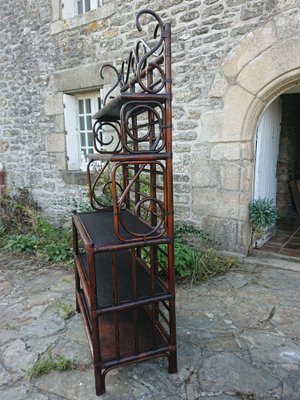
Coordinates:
<point>267,147</point>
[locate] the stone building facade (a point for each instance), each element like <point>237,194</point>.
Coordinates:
<point>231,58</point>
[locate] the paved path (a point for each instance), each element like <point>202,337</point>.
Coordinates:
<point>238,338</point>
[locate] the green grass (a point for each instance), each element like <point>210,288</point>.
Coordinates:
<point>68,310</point>
<point>49,363</point>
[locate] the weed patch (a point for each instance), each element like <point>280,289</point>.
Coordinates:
<point>22,229</point>
<point>45,365</point>
<point>68,311</point>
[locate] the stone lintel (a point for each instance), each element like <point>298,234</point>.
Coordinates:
<point>83,19</point>
<point>81,78</point>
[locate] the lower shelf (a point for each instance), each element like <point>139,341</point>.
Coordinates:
<point>130,340</point>
<point>126,336</point>
<point>127,284</point>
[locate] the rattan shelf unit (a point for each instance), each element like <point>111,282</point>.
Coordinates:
<point>123,249</point>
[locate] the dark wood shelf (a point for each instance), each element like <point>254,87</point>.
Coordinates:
<point>126,336</point>
<point>96,229</point>
<point>147,338</point>
<point>129,157</point>
<point>111,111</point>
<point>146,288</point>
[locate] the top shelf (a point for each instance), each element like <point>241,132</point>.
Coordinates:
<point>96,229</point>
<point>111,111</point>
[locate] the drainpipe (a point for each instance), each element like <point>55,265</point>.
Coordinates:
<point>2,179</point>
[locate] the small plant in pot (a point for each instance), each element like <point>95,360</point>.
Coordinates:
<point>263,216</point>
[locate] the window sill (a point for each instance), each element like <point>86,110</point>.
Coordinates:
<point>75,177</point>
<point>83,19</point>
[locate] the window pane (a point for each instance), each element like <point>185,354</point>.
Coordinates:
<point>89,123</point>
<point>88,106</point>
<point>82,124</point>
<point>81,110</point>
<point>87,5</point>
<point>99,103</point>
<point>90,139</point>
<point>80,6</point>
<point>90,151</point>
<point>82,139</point>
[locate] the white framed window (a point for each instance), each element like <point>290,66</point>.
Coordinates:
<point>78,112</point>
<point>71,8</point>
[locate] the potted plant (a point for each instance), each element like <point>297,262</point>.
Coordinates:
<point>263,216</point>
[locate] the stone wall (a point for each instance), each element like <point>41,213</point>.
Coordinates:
<point>223,58</point>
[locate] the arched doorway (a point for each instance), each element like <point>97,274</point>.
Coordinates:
<point>277,171</point>
<point>261,69</point>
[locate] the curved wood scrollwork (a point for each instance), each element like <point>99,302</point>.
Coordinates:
<point>150,207</point>
<point>142,59</point>
<point>107,138</point>
<point>119,80</point>
<point>139,136</point>
<point>147,61</point>
<point>100,185</point>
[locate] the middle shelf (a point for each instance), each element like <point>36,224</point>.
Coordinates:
<point>125,284</point>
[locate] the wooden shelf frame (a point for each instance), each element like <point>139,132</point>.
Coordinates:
<point>123,250</point>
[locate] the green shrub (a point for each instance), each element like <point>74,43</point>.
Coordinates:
<point>195,257</point>
<point>21,243</point>
<point>184,257</point>
<point>54,244</point>
<point>263,215</point>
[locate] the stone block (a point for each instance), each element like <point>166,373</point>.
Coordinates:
<point>226,151</point>
<point>56,8</point>
<point>54,104</point>
<point>292,18</point>
<point>181,212</point>
<point>213,10</point>
<point>194,114</point>
<point>230,176</point>
<point>219,86</point>
<point>284,4</point>
<point>55,142</point>
<point>211,202</point>
<point>249,48</point>
<point>189,16</point>
<point>236,105</point>
<point>247,174</point>
<point>181,147</point>
<point>252,10</point>
<point>212,126</point>
<point>3,146</point>
<point>101,13</point>
<point>273,63</point>
<point>204,173</point>
<point>86,76</point>
<point>61,161</point>
<point>229,234</point>
<point>181,162</point>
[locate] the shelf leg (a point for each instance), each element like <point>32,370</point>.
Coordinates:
<point>173,362</point>
<point>99,382</point>
<point>77,286</point>
<point>77,304</point>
